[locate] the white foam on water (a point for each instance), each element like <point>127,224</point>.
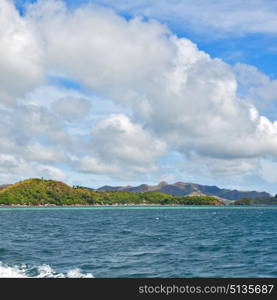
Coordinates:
<point>44,271</point>
<point>11,272</point>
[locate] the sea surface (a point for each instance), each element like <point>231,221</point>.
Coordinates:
<point>138,242</point>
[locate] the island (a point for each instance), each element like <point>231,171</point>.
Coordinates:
<point>41,192</point>
<point>257,201</point>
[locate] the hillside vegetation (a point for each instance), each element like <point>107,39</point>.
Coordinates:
<point>187,189</point>
<point>257,201</point>
<point>50,192</point>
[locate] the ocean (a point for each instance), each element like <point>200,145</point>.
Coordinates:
<point>138,242</point>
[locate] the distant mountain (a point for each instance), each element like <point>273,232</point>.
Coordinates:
<point>36,191</point>
<point>187,189</point>
<point>43,192</point>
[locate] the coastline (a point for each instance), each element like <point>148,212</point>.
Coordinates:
<point>138,206</point>
<point>104,205</point>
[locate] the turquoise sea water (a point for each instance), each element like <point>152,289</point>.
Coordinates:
<point>138,241</point>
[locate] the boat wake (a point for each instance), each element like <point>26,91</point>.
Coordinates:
<point>43,271</point>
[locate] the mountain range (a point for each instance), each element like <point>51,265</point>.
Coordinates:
<point>187,189</point>
<point>41,192</point>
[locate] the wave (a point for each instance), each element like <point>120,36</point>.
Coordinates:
<point>43,271</point>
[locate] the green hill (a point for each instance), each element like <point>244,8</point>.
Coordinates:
<point>50,192</point>
<point>257,201</point>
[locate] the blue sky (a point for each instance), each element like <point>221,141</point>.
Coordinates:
<point>128,92</point>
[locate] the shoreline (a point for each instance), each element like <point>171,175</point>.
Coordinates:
<point>133,205</point>
<point>103,205</point>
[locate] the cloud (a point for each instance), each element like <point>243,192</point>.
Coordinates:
<point>268,171</point>
<point>120,146</point>
<point>21,62</point>
<point>196,108</point>
<point>233,17</point>
<point>256,85</point>
<point>71,108</point>
<point>216,167</point>
<point>45,154</point>
<point>20,169</point>
<point>89,164</point>
<point>104,50</point>
<point>249,75</point>
<point>183,96</point>
<point>13,164</point>
<point>51,172</point>
<point>29,132</point>
<point>34,143</point>
<point>36,121</point>
<point>257,88</point>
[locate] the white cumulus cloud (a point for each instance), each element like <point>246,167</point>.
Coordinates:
<point>120,146</point>
<point>21,61</point>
